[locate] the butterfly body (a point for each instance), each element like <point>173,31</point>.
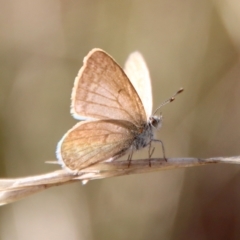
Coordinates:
<point>143,138</point>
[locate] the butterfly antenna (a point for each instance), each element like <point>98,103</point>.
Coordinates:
<point>169,100</point>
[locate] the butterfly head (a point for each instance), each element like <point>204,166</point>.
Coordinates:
<point>156,121</point>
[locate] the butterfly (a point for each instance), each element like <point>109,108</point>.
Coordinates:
<point>115,109</point>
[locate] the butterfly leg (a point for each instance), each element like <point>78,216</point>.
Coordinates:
<point>163,149</point>
<point>130,158</point>
<point>150,153</point>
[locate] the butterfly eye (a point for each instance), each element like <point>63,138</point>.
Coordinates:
<point>156,121</point>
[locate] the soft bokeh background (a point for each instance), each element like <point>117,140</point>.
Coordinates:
<point>190,44</point>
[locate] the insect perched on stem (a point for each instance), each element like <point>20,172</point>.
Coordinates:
<point>116,106</point>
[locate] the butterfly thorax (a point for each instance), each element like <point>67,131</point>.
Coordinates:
<point>146,134</point>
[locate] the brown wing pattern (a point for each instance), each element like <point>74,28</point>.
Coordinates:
<point>91,142</point>
<point>103,91</point>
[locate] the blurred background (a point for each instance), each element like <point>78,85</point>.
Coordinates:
<point>190,44</point>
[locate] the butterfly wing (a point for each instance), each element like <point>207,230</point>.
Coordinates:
<point>137,71</point>
<point>90,142</point>
<point>103,91</point>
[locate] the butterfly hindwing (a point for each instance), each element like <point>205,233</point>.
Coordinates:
<point>90,142</point>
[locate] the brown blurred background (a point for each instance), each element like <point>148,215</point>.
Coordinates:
<point>190,44</point>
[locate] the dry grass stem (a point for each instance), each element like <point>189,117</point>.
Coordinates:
<point>17,188</point>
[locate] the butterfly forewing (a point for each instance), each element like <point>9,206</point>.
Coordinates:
<point>91,142</point>
<point>137,71</point>
<point>103,91</point>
